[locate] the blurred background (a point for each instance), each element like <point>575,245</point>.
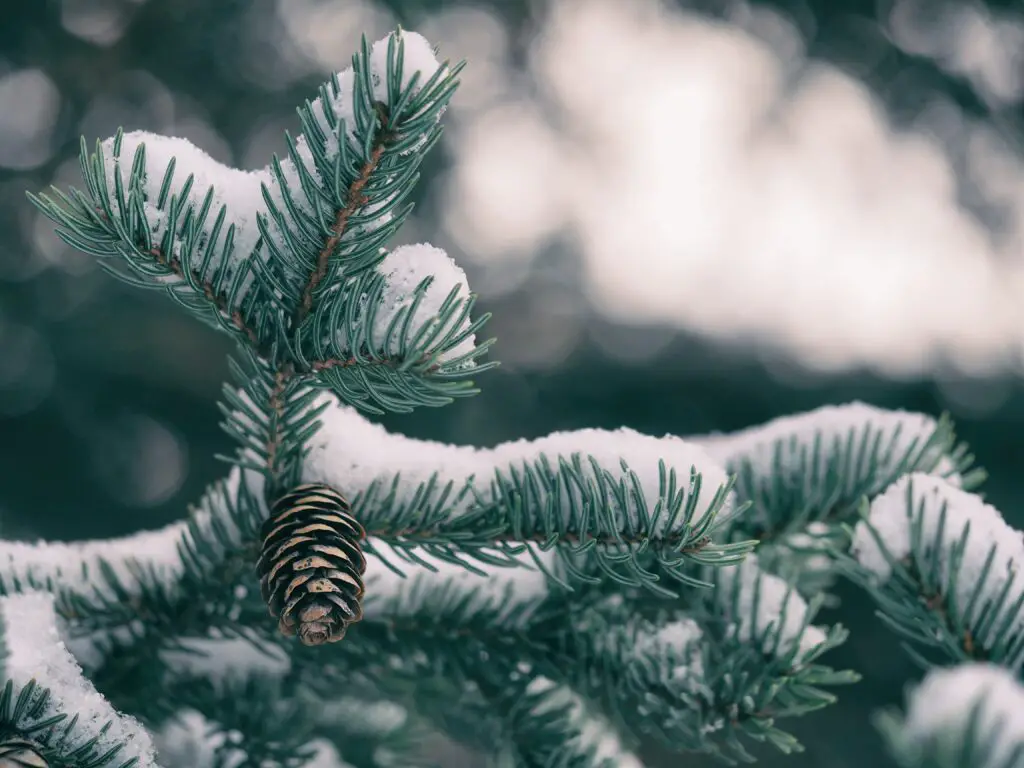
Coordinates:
<point>685,217</point>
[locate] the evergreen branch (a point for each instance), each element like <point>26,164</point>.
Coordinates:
<point>647,677</point>
<point>161,229</point>
<point>546,724</point>
<point>577,505</point>
<point>335,201</point>
<point>709,673</point>
<point>271,417</point>
<point>45,693</point>
<point>817,466</point>
<point>466,633</point>
<point>397,337</point>
<point>354,200</point>
<point>943,568</point>
<point>440,510</point>
<point>969,715</point>
<point>611,507</point>
<point>251,253</point>
<point>183,579</point>
<point>217,701</point>
<point>450,616</point>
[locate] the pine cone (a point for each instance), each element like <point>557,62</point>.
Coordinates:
<point>16,752</point>
<point>311,566</point>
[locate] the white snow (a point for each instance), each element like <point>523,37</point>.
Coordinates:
<point>502,588</point>
<point>350,452</point>
<point>418,58</point>
<point>592,730</point>
<point>76,565</point>
<point>189,741</point>
<point>892,513</point>
<point>226,658</point>
<point>237,189</point>
<point>35,651</point>
<point>942,705</point>
<point>676,642</point>
<point>405,269</point>
<point>242,191</point>
<point>774,598</point>
<point>831,425</point>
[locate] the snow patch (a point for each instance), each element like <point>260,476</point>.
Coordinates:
<point>939,503</point>
<point>792,440</point>
<point>776,601</point>
<point>941,708</point>
<point>35,651</point>
<point>350,452</point>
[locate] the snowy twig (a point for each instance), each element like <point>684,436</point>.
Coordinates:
<point>85,725</point>
<point>815,467</point>
<point>945,569</point>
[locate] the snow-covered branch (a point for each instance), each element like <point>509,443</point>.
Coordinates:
<point>35,657</point>
<point>945,568</point>
<point>815,467</point>
<point>765,610</point>
<point>967,715</point>
<point>420,499</point>
<point>296,249</point>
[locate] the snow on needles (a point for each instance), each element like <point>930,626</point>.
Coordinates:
<point>353,454</point>
<point>942,507</point>
<point>242,193</point>
<point>674,647</point>
<point>350,453</point>
<point>502,589</point>
<point>79,565</point>
<point>941,708</point>
<point>764,607</point>
<point>34,651</point>
<point>419,280</point>
<point>58,565</point>
<point>901,432</point>
<point>592,731</point>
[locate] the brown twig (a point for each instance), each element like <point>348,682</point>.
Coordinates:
<point>276,404</point>
<point>326,365</point>
<point>936,603</point>
<point>219,300</point>
<point>571,537</point>
<point>355,199</point>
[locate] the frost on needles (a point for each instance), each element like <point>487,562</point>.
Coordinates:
<point>561,601</point>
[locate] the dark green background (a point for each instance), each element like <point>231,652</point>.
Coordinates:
<point>118,353</point>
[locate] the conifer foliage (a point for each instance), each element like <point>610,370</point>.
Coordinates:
<point>560,602</point>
